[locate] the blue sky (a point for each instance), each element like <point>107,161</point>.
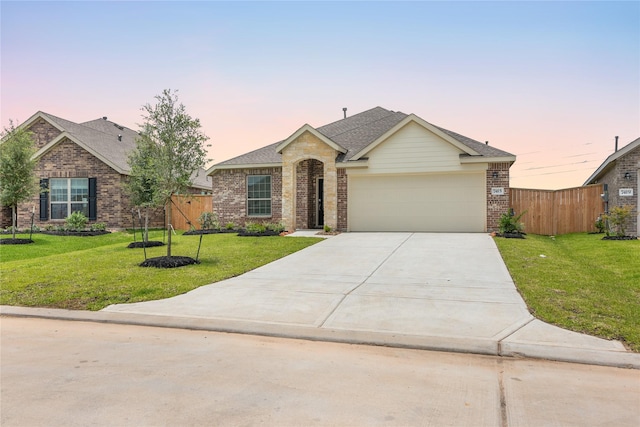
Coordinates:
<point>552,82</point>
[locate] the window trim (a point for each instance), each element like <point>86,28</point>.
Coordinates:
<point>270,198</point>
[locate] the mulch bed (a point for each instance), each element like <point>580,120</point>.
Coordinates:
<point>199,232</point>
<point>169,262</point>
<point>619,238</point>
<point>511,235</point>
<point>15,241</point>
<point>149,244</point>
<point>244,233</point>
<point>76,233</point>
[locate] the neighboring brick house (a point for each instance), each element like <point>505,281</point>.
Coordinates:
<point>620,174</point>
<point>378,170</point>
<point>82,167</point>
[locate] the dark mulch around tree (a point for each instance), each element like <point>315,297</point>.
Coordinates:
<point>149,244</point>
<point>169,261</point>
<point>243,233</point>
<point>15,241</point>
<point>619,238</point>
<point>76,233</point>
<point>199,232</point>
<point>511,235</point>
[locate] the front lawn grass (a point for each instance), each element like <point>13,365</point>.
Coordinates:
<point>579,282</point>
<point>90,273</point>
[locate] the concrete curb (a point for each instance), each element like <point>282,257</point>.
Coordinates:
<point>508,347</point>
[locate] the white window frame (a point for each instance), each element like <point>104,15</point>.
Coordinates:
<point>249,200</point>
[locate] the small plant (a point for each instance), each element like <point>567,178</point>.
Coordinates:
<point>230,226</point>
<point>209,221</point>
<point>600,225</point>
<point>509,223</point>
<point>98,226</point>
<point>49,227</point>
<point>327,229</point>
<point>77,221</point>
<point>255,227</point>
<point>35,229</point>
<point>276,227</point>
<point>617,219</point>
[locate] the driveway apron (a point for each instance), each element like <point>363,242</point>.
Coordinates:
<point>437,286</point>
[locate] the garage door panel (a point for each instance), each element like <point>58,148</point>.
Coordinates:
<point>447,202</point>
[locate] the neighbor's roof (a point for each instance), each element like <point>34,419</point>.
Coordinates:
<point>610,161</point>
<point>100,138</point>
<point>355,134</point>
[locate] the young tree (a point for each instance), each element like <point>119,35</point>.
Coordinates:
<point>142,185</point>
<point>180,151</point>
<point>17,178</point>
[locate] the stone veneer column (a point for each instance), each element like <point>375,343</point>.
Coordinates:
<point>289,195</point>
<point>330,195</point>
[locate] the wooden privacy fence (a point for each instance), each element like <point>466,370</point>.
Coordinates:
<point>551,212</point>
<point>189,206</point>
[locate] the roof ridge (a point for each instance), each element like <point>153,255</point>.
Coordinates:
<point>391,113</point>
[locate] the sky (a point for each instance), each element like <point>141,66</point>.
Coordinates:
<point>551,82</point>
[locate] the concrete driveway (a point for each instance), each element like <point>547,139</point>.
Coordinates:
<point>422,290</point>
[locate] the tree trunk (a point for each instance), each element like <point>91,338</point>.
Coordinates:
<point>168,210</point>
<point>145,238</point>
<point>14,221</point>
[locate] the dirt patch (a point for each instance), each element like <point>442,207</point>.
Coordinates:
<point>169,262</point>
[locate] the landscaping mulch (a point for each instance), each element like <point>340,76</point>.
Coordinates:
<point>169,262</point>
<point>149,244</point>
<point>77,233</point>
<point>511,235</point>
<point>199,232</point>
<point>243,233</point>
<point>619,238</point>
<point>15,241</point>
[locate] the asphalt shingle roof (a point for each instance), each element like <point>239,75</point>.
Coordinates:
<point>101,137</point>
<point>355,133</point>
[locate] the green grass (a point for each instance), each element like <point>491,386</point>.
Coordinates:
<point>582,283</point>
<point>90,273</point>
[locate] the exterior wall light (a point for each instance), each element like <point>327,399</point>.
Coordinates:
<point>627,176</point>
<point>495,174</point>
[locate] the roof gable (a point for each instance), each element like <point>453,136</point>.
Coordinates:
<point>314,132</point>
<point>610,161</point>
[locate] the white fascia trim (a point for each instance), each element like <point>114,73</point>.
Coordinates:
<point>33,118</point>
<point>364,163</point>
<point>215,168</point>
<point>615,156</point>
<point>314,132</point>
<point>424,124</point>
<point>482,159</point>
<point>79,143</point>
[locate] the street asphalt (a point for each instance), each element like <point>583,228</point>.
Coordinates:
<point>435,291</point>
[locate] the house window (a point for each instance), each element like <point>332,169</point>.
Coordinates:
<point>69,195</point>
<point>259,195</point>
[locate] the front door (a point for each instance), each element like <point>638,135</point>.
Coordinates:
<point>320,202</point>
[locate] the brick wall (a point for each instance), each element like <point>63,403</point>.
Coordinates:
<point>68,160</point>
<point>342,199</point>
<point>43,132</point>
<point>497,204</point>
<point>615,180</point>
<point>230,195</point>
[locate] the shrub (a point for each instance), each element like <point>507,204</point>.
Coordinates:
<point>600,224</point>
<point>255,227</point>
<point>617,219</point>
<point>509,223</point>
<point>209,221</point>
<point>327,229</point>
<point>77,221</point>
<point>98,226</point>
<point>230,226</point>
<point>277,227</point>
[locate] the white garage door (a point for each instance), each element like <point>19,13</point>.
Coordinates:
<point>443,202</point>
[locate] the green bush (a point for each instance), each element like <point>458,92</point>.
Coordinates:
<point>509,223</point>
<point>600,224</point>
<point>77,221</point>
<point>255,227</point>
<point>278,227</point>
<point>617,219</point>
<point>98,226</point>
<point>327,229</point>
<point>231,226</point>
<point>209,221</point>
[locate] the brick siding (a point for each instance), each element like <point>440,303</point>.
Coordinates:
<point>342,199</point>
<point>615,180</point>
<point>497,204</point>
<point>230,195</point>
